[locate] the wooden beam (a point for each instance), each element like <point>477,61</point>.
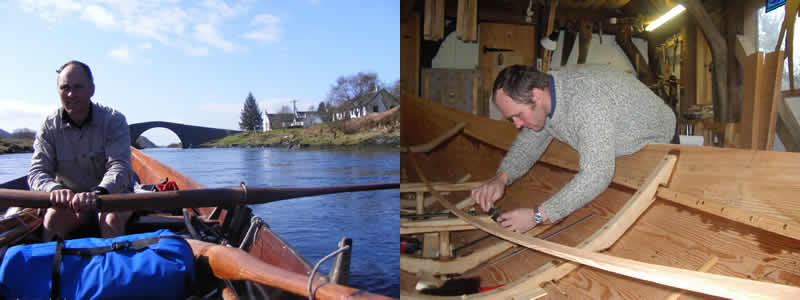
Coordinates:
<point>413,187</point>
<point>569,42</point>
<point>434,20</point>
<point>773,76</point>
<point>585,42</point>
<point>719,52</point>
<point>427,147</point>
<point>688,67</point>
<point>751,115</point>
<point>709,284</point>
<point>639,63</point>
<point>788,128</point>
<point>437,225</point>
<point>409,54</point>
<point>551,17</point>
<point>467,20</point>
<point>704,268</point>
<point>462,264</point>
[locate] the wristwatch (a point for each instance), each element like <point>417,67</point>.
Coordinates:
<point>537,216</point>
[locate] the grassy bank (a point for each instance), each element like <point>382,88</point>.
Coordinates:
<point>377,129</point>
<point>16,146</point>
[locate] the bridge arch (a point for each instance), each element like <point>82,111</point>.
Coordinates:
<point>189,135</point>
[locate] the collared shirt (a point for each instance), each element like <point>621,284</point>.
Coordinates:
<point>96,154</point>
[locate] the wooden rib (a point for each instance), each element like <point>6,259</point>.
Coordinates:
<point>420,202</point>
<point>707,266</point>
<point>439,186</point>
<point>710,284</point>
<point>467,202</point>
<point>450,224</point>
<point>427,147</point>
<point>460,264</point>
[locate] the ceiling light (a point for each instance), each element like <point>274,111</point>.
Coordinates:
<point>663,19</point>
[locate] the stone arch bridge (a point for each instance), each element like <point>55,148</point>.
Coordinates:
<point>190,136</point>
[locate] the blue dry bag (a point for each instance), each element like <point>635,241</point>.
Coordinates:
<point>156,265</point>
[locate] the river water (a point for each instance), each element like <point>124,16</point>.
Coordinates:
<point>313,225</point>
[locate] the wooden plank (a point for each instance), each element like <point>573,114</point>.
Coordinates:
<point>412,187</point>
<point>427,147</point>
<point>751,114</point>
<point>420,203</point>
<point>688,67</point>
<point>704,268</point>
<point>773,75</point>
<point>475,96</point>
<point>710,284</point>
<point>519,38</point>
<point>444,245</point>
<point>409,55</point>
<point>461,264</point>
<point>466,20</point>
<point>585,41</point>
<point>434,20</point>
<point>788,128</point>
<point>436,225</point>
<point>551,18</point>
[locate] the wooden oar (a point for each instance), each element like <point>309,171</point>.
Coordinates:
<point>234,264</point>
<point>225,197</point>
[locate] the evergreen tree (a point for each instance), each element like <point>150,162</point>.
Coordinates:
<point>251,119</point>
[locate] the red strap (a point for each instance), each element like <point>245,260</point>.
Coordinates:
<point>488,288</point>
<point>169,186</point>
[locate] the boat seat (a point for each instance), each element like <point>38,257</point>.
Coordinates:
<point>148,223</point>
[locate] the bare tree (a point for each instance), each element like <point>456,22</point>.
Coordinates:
<point>353,86</point>
<point>23,133</point>
<point>395,89</point>
<point>285,109</point>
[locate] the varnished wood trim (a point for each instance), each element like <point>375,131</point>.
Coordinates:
<point>427,147</point>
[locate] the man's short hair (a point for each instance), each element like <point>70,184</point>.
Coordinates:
<point>517,81</point>
<point>79,64</point>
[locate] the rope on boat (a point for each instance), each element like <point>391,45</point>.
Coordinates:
<point>319,263</point>
<point>255,224</point>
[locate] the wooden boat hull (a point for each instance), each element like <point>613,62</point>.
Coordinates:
<point>736,205</point>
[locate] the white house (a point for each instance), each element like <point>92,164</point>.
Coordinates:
<point>369,103</point>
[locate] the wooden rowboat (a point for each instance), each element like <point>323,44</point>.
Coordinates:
<point>257,265</point>
<point>707,222</point>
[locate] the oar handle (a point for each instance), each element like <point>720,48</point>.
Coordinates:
<point>225,197</point>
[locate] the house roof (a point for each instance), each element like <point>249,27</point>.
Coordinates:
<point>382,95</point>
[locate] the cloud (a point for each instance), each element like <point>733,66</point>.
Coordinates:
<point>268,28</point>
<point>99,16</point>
<point>145,46</point>
<point>22,114</point>
<point>208,34</point>
<point>173,23</point>
<point>121,54</point>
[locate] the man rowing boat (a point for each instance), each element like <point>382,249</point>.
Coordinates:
<point>80,151</point>
<point>599,112</point>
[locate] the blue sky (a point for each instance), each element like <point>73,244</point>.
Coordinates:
<point>191,62</point>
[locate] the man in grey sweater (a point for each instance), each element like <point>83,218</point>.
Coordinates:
<point>599,112</point>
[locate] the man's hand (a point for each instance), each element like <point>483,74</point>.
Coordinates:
<point>61,198</point>
<point>518,220</point>
<point>84,201</point>
<point>488,193</point>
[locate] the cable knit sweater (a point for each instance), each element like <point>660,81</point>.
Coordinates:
<point>601,113</point>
